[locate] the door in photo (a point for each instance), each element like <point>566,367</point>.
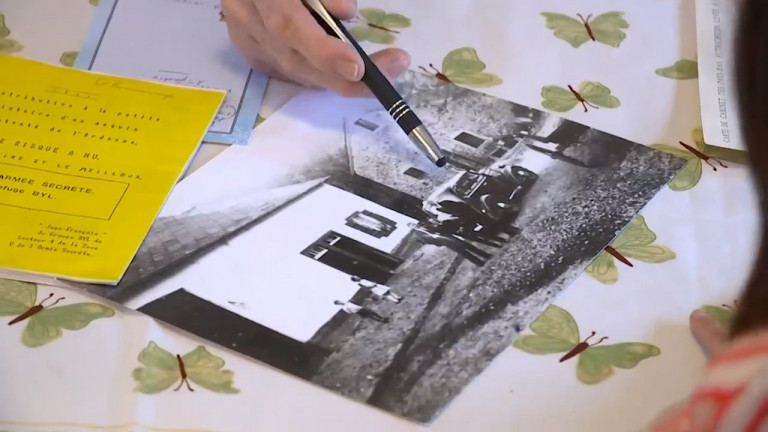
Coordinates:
<point>353,257</point>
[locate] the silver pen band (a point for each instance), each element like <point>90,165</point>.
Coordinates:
<point>399,109</point>
<point>421,137</point>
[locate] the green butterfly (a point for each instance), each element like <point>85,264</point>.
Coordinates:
<point>4,30</point>
<point>68,58</point>
<point>722,314</point>
<point>378,26</point>
<point>162,369</point>
<point>45,322</point>
<point>635,241</point>
<point>605,28</point>
<point>555,331</point>
<point>590,93</point>
<point>94,2</point>
<point>680,70</point>
<point>463,66</point>
<point>259,120</point>
<point>7,45</point>
<point>689,176</point>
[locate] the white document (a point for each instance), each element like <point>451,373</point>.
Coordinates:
<point>181,42</point>
<point>715,31</point>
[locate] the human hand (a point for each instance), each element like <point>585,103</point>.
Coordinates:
<point>282,39</point>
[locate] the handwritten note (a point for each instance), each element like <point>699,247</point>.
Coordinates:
<point>182,42</point>
<point>86,162</point>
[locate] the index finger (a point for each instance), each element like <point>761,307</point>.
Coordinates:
<point>291,21</point>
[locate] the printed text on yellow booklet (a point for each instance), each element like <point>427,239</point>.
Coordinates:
<point>86,162</point>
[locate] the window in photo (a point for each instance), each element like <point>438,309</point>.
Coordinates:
<point>371,223</point>
<point>469,139</point>
<point>499,153</point>
<point>365,124</point>
<point>415,173</point>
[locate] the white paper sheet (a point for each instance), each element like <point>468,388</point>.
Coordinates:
<point>181,42</point>
<point>715,26</point>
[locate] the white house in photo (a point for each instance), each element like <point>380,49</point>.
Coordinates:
<point>476,131</point>
<point>286,272</point>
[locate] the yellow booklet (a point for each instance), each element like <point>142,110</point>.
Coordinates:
<point>86,162</point>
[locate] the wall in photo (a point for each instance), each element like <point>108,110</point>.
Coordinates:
<point>303,258</point>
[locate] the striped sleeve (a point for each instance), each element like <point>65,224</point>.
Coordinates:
<point>732,396</point>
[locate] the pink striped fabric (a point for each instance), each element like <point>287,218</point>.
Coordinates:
<point>732,396</point>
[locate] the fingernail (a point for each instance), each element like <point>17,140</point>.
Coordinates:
<point>405,60</point>
<point>348,70</point>
<point>343,9</point>
<point>396,65</point>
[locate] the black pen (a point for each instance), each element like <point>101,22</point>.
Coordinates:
<point>381,88</point>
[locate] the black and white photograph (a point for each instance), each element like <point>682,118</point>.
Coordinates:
<point>333,250</point>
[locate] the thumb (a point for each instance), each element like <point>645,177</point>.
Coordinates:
<point>391,61</point>
<point>341,9</point>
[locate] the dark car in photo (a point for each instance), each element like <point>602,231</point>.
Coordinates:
<point>492,193</point>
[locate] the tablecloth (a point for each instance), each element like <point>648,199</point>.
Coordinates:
<point>704,223</point>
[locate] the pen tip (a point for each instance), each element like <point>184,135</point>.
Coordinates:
<point>441,162</point>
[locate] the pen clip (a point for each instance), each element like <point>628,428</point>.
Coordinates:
<point>322,12</point>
